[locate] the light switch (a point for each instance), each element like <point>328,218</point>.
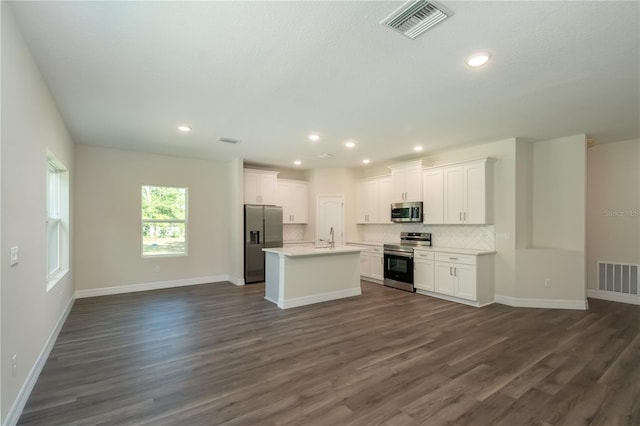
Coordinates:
<point>14,255</point>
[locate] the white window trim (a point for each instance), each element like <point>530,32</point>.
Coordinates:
<point>184,222</point>
<point>57,215</point>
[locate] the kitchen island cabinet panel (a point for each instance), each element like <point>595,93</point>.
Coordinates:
<point>297,276</point>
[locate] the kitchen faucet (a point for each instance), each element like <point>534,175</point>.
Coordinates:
<point>332,241</point>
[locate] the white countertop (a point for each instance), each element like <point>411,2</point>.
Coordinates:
<point>471,252</point>
<point>366,243</point>
<point>296,251</point>
<point>453,250</point>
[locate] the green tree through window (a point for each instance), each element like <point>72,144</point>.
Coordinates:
<point>164,221</point>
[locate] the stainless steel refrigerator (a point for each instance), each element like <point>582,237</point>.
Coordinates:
<point>262,229</point>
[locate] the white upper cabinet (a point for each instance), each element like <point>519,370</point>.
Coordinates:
<point>406,182</point>
<point>453,194</point>
<point>433,196</point>
<point>373,200</point>
<point>466,195</point>
<point>292,195</point>
<point>367,201</point>
<point>384,199</point>
<point>260,186</point>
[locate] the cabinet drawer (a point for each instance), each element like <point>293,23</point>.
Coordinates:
<point>456,258</point>
<point>423,255</point>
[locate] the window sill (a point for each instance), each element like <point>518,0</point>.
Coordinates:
<point>55,279</point>
<point>155,256</point>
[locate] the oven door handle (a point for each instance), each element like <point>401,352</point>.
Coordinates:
<point>400,254</point>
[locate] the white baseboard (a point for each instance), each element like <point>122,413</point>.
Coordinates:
<point>130,288</point>
<point>371,280</point>
<point>21,400</point>
<point>452,298</point>
<point>518,302</point>
<point>614,297</point>
<point>317,298</point>
<point>235,280</point>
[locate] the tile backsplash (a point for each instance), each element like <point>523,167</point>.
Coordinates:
<point>292,232</point>
<point>478,237</point>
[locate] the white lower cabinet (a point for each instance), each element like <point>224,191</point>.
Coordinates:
<point>456,280</point>
<point>376,265</point>
<point>372,263</point>
<point>364,263</point>
<point>423,270</point>
<point>458,277</point>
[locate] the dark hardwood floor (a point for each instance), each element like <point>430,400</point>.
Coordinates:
<point>220,354</point>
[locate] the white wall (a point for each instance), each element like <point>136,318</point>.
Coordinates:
<point>613,205</point>
<point>31,125</point>
<point>108,243</point>
<point>236,221</point>
<point>551,221</point>
<point>332,181</point>
<point>559,193</point>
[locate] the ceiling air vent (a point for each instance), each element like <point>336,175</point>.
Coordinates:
<point>415,17</point>
<point>228,140</point>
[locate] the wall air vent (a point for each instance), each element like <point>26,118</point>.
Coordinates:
<point>415,17</point>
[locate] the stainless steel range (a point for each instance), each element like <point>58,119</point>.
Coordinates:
<point>398,259</point>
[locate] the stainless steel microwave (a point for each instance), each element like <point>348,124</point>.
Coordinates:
<point>406,212</point>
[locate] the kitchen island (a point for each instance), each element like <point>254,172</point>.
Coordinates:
<point>297,276</point>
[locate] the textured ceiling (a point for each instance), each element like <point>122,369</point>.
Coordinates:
<point>125,74</point>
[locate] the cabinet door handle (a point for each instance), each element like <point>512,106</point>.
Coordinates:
<point>460,216</point>
<point>450,270</point>
<point>453,258</point>
<point>455,272</point>
<point>465,216</point>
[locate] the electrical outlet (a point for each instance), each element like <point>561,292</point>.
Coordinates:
<point>547,282</point>
<point>14,256</point>
<point>157,268</point>
<point>14,365</point>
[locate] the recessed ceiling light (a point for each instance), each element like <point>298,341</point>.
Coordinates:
<point>350,144</point>
<point>366,161</point>
<point>417,148</point>
<point>297,162</point>
<point>184,128</point>
<point>478,59</point>
<point>314,137</point>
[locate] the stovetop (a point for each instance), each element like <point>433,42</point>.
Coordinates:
<point>411,240</point>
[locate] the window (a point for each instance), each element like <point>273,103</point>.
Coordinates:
<point>164,221</point>
<point>57,221</point>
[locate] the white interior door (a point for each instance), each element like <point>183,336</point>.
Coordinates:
<point>330,214</point>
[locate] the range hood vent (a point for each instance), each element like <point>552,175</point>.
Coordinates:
<point>415,17</point>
